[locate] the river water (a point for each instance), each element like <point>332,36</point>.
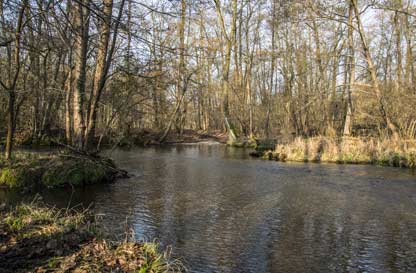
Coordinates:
<point>222,211</point>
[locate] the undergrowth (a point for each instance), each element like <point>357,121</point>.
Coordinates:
<point>37,238</point>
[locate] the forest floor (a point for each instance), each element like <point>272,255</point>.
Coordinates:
<point>35,238</point>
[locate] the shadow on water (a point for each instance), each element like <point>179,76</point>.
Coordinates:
<point>224,212</point>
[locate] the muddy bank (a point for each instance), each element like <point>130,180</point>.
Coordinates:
<point>62,169</point>
<point>35,238</point>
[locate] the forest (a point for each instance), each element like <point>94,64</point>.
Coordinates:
<point>83,70</point>
<point>146,93</point>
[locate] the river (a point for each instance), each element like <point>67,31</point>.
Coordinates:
<point>222,211</point>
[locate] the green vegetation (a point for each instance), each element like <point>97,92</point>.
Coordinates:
<point>21,174</point>
<point>77,171</point>
<point>249,143</point>
<point>36,238</point>
<point>400,153</point>
<point>57,170</point>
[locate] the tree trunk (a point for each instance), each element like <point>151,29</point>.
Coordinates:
<point>181,69</point>
<point>68,98</point>
<point>351,70</point>
<point>10,126</point>
<point>397,29</point>
<point>410,71</point>
<point>11,86</point>
<point>104,58</point>
<point>100,71</point>
<point>373,74</point>
<point>229,42</point>
<point>81,27</point>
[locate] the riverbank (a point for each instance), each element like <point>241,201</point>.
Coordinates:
<point>35,238</point>
<point>346,150</point>
<point>57,170</point>
<point>137,137</point>
<point>151,137</point>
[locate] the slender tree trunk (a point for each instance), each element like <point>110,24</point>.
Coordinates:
<point>11,86</point>
<point>250,103</point>
<point>10,126</point>
<point>104,58</point>
<point>272,70</point>
<point>351,72</point>
<point>373,74</point>
<point>100,71</point>
<point>229,42</point>
<point>68,99</point>
<point>181,68</point>
<point>410,71</point>
<point>176,110</point>
<point>81,27</point>
<point>397,29</point>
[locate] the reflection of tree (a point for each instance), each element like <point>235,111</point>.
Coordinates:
<point>251,216</point>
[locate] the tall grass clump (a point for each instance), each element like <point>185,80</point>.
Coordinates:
<point>353,150</point>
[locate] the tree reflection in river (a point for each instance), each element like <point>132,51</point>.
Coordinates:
<point>223,212</point>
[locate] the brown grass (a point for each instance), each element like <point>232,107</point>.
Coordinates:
<point>353,150</point>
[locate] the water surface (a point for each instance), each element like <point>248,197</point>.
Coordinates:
<point>225,212</point>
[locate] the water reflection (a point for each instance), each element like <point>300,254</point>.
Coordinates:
<point>224,212</point>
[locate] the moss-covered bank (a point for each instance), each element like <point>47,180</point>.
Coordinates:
<point>57,171</point>
<point>35,238</point>
<point>244,143</point>
<point>346,150</point>
<point>260,145</point>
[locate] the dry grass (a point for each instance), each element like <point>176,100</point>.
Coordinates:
<point>104,256</point>
<point>354,150</point>
<point>28,220</point>
<point>36,238</point>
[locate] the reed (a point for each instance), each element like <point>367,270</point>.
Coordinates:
<point>351,150</point>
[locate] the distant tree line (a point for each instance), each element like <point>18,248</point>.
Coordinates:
<point>90,69</point>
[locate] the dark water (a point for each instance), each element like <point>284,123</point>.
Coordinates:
<point>224,212</point>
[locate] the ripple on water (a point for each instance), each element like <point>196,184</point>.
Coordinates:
<point>224,212</point>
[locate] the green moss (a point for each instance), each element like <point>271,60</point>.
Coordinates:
<point>76,172</point>
<point>237,144</point>
<point>56,171</point>
<point>252,143</point>
<point>249,143</point>
<point>19,175</point>
<point>8,178</point>
<point>411,159</point>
